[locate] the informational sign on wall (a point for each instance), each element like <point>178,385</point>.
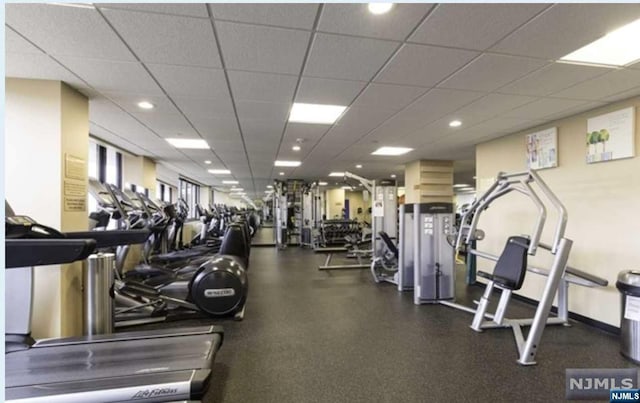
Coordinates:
<point>378,208</point>
<point>542,149</point>
<point>611,136</point>
<point>75,184</point>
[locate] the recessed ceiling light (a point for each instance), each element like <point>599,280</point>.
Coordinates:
<point>392,151</point>
<point>207,162</point>
<point>295,148</point>
<point>617,48</point>
<point>219,171</point>
<point>393,176</point>
<point>145,105</point>
<point>315,113</point>
<point>270,187</point>
<point>336,174</point>
<point>189,143</point>
<point>281,163</point>
<point>281,174</point>
<point>230,182</point>
<point>460,185</point>
<point>347,188</point>
<point>322,183</point>
<point>237,189</point>
<point>380,8</point>
<point>359,166</point>
<point>455,123</point>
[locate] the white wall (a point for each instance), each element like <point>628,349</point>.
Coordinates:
<point>601,200</point>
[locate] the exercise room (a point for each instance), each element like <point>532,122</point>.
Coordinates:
<point>321,202</point>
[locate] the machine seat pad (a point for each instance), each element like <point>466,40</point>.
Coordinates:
<point>389,243</point>
<point>512,264</point>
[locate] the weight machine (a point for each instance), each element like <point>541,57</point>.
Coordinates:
<point>434,262</point>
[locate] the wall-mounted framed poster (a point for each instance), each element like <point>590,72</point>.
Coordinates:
<point>611,136</point>
<point>542,149</point>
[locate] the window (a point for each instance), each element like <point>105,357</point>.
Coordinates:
<point>190,192</point>
<point>105,164</point>
<point>164,192</point>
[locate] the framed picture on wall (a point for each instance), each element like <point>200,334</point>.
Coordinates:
<point>611,136</point>
<point>542,149</point>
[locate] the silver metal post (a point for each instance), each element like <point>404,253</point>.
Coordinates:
<point>528,354</point>
<point>98,278</point>
<point>563,301</point>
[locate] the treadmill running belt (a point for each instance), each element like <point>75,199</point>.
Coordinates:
<point>80,362</point>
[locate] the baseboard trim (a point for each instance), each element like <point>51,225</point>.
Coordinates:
<point>572,315</point>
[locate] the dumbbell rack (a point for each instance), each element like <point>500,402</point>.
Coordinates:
<point>332,232</point>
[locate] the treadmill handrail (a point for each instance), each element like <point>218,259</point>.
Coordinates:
<point>41,252</point>
<point>107,239</point>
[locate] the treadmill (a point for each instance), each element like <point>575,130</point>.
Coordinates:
<point>147,366</point>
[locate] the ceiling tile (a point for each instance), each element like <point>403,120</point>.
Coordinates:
<point>100,132</point>
<point>159,38</point>
<point>355,19</point>
<point>564,28</point>
<point>38,66</point>
<point>262,110</point>
<point>205,108</point>
<point>105,75</point>
<point>16,43</point>
<point>129,102</point>
<point>167,125</point>
<point>603,86</point>
<point>543,108</point>
<point>198,82</point>
<point>349,58</point>
<point>423,65</point>
<point>623,95</point>
<point>327,91</point>
<point>262,86</point>
<point>552,78</point>
<point>190,10</point>
<point>490,106</point>
<point>473,26</point>
<point>388,96</point>
<point>307,132</point>
<point>438,103</point>
<point>283,15</point>
<point>363,119</point>
<point>258,48</point>
<point>489,72</point>
<point>262,129</point>
<point>220,129</point>
<point>78,31</point>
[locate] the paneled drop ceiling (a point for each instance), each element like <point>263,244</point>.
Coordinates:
<point>228,73</point>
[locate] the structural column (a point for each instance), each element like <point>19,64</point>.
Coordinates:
<point>429,181</point>
<point>46,151</point>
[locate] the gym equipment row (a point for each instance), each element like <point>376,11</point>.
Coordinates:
<point>106,368</point>
<point>424,260</point>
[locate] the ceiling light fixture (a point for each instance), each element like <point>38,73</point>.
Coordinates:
<point>230,182</point>
<point>336,174</point>
<point>145,105</point>
<point>270,187</point>
<point>617,48</point>
<point>393,176</point>
<point>189,143</point>
<point>359,166</point>
<point>315,113</point>
<point>281,163</point>
<point>392,151</point>
<point>380,8</point>
<point>295,148</point>
<point>322,183</point>
<point>281,173</point>
<point>208,162</point>
<point>219,171</point>
<point>455,123</point>
<point>460,185</point>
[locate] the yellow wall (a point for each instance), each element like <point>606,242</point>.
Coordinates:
<point>601,200</point>
<point>149,175</point>
<point>357,201</point>
<point>45,120</point>
<point>335,203</point>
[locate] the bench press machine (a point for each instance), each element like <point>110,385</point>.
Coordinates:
<point>511,266</point>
